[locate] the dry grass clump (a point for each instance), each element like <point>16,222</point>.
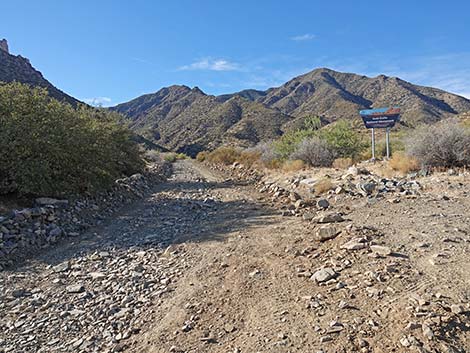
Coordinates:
<point>403,163</point>
<point>293,166</point>
<point>342,163</point>
<point>248,158</point>
<point>201,156</point>
<point>223,155</point>
<point>323,185</point>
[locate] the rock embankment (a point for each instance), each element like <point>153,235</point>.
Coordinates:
<point>29,229</point>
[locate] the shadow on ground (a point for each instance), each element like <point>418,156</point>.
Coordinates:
<point>177,212</point>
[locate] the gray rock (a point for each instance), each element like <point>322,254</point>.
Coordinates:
<point>323,275</point>
<point>323,203</point>
<point>329,218</point>
<point>47,201</point>
<point>75,288</point>
<point>457,309</point>
<point>62,267</point>
<point>355,244</point>
<point>381,250</point>
<point>327,232</point>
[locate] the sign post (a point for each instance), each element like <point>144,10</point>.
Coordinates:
<point>373,144</point>
<point>387,141</point>
<point>381,118</point>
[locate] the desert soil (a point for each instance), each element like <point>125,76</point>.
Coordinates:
<point>209,264</point>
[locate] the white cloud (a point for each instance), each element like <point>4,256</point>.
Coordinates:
<point>211,64</point>
<point>303,37</point>
<point>98,101</point>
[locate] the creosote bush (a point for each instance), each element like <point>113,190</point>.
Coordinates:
<point>49,148</point>
<point>445,144</point>
<point>314,152</point>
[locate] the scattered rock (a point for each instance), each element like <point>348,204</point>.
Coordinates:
<point>327,232</point>
<point>381,250</point>
<point>75,288</point>
<point>324,274</point>
<point>329,218</point>
<point>323,203</point>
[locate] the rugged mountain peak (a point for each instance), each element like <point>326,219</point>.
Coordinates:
<point>19,69</point>
<point>4,45</point>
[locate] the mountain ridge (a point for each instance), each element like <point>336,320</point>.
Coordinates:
<point>188,120</point>
<point>18,68</point>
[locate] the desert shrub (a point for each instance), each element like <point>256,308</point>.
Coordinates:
<point>170,157</point>
<point>50,148</point>
<point>342,163</point>
<point>249,158</point>
<point>152,156</point>
<point>180,156</point>
<point>314,152</point>
<point>445,144</point>
<point>323,185</point>
<point>292,165</point>
<point>289,142</point>
<point>266,151</point>
<point>201,156</point>
<point>273,164</point>
<point>312,123</point>
<point>343,139</point>
<point>223,155</point>
<point>403,163</point>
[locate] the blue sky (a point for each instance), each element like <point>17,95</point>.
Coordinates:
<point>113,51</point>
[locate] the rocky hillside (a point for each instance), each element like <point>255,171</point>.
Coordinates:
<point>189,120</point>
<point>333,95</point>
<point>18,68</point>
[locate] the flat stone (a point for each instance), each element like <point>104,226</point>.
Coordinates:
<point>457,309</point>
<point>64,266</point>
<point>308,216</point>
<point>354,245</point>
<point>381,250</point>
<point>323,275</point>
<point>327,232</point>
<point>329,218</point>
<point>97,275</point>
<point>47,201</point>
<point>75,288</point>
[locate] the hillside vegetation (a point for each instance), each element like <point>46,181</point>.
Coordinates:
<point>339,145</point>
<point>50,148</point>
<point>188,120</point>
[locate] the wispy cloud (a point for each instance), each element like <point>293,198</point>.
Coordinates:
<point>212,65</point>
<point>303,37</point>
<point>98,101</point>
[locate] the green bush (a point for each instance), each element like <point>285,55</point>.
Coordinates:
<point>343,139</point>
<point>289,142</point>
<point>50,148</point>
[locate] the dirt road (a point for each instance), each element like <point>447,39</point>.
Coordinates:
<point>207,264</point>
